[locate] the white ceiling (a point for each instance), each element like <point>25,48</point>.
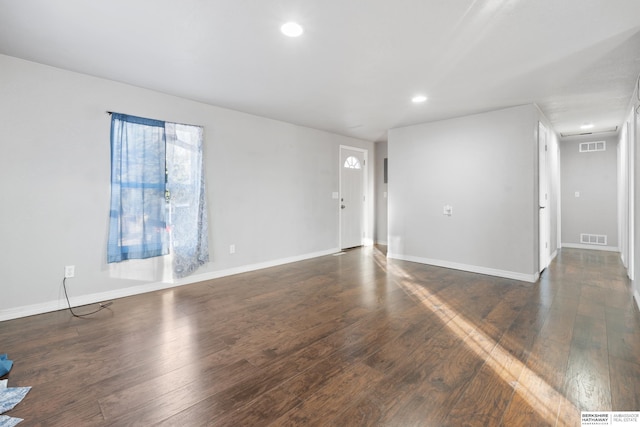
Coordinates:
<point>359,62</point>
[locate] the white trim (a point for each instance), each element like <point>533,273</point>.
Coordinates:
<point>558,192</point>
<point>591,247</point>
<point>636,296</point>
<point>381,242</point>
<point>544,190</point>
<point>532,278</point>
<point>632,138</point>
<point>554,255</point>
<point>30,310</point>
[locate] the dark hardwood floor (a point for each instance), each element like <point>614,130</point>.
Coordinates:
<point>344,340</point>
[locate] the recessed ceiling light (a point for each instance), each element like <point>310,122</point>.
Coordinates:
<point>291,29</point>
<point>586,126</point>
<point>418,99</point>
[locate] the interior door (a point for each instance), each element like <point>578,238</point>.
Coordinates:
<point>352,163</point>
<point>543,198</point>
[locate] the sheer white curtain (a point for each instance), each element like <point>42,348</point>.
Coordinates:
<point>186,193</point>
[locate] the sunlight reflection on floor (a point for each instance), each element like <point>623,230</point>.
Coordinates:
<point>536,392</point>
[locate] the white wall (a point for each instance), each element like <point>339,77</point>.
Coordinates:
<point>556,193</point>
<point>629,191</point>
<point>628,139</point>
<point>594,176</point>
<point>485,167</point>
<point>269,187</point>
<point>381,194</point>
<point>623,195</point>
<point>633,136</point>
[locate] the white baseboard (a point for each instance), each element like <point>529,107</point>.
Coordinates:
<point>381,242</point>
<point>532,278</point>
<point>591,247</point>
<point>252,267</point>
<point>30,310</point>
<point>636,296</point>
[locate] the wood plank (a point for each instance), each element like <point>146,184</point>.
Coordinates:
<point>333,397</point>
<point>587,378</point>
<point>625,387</point>
<point>488,393</point>
<point>350,340</point>
<point>536,400</point>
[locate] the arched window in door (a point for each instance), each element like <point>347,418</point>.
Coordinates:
<point>352,163</point>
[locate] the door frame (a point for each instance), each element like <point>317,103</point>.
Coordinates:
<point>365,190</point>
<point>544,205</point>
<point>632,137</point>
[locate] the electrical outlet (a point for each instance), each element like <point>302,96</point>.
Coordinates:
<point>69,271</point>
<point>232,249</point>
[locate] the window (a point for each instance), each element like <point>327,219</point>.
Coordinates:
<point>352,163</point>
<point>138,211</point>
<point>158,204</point>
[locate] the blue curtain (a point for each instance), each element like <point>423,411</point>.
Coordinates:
<point>137,226</point>
<point>186,190</point>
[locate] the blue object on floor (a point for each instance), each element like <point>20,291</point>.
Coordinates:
<point>6,421</point>
<point>5,364</point>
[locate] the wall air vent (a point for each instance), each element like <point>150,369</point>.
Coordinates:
<point>586,147</point>
<point>593,239</point>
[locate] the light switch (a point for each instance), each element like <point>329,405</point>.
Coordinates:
<point>577,194</point>
<point>447,210</point>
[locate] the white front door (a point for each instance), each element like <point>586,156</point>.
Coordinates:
<point>352,164</point>
<point>543,199</point>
